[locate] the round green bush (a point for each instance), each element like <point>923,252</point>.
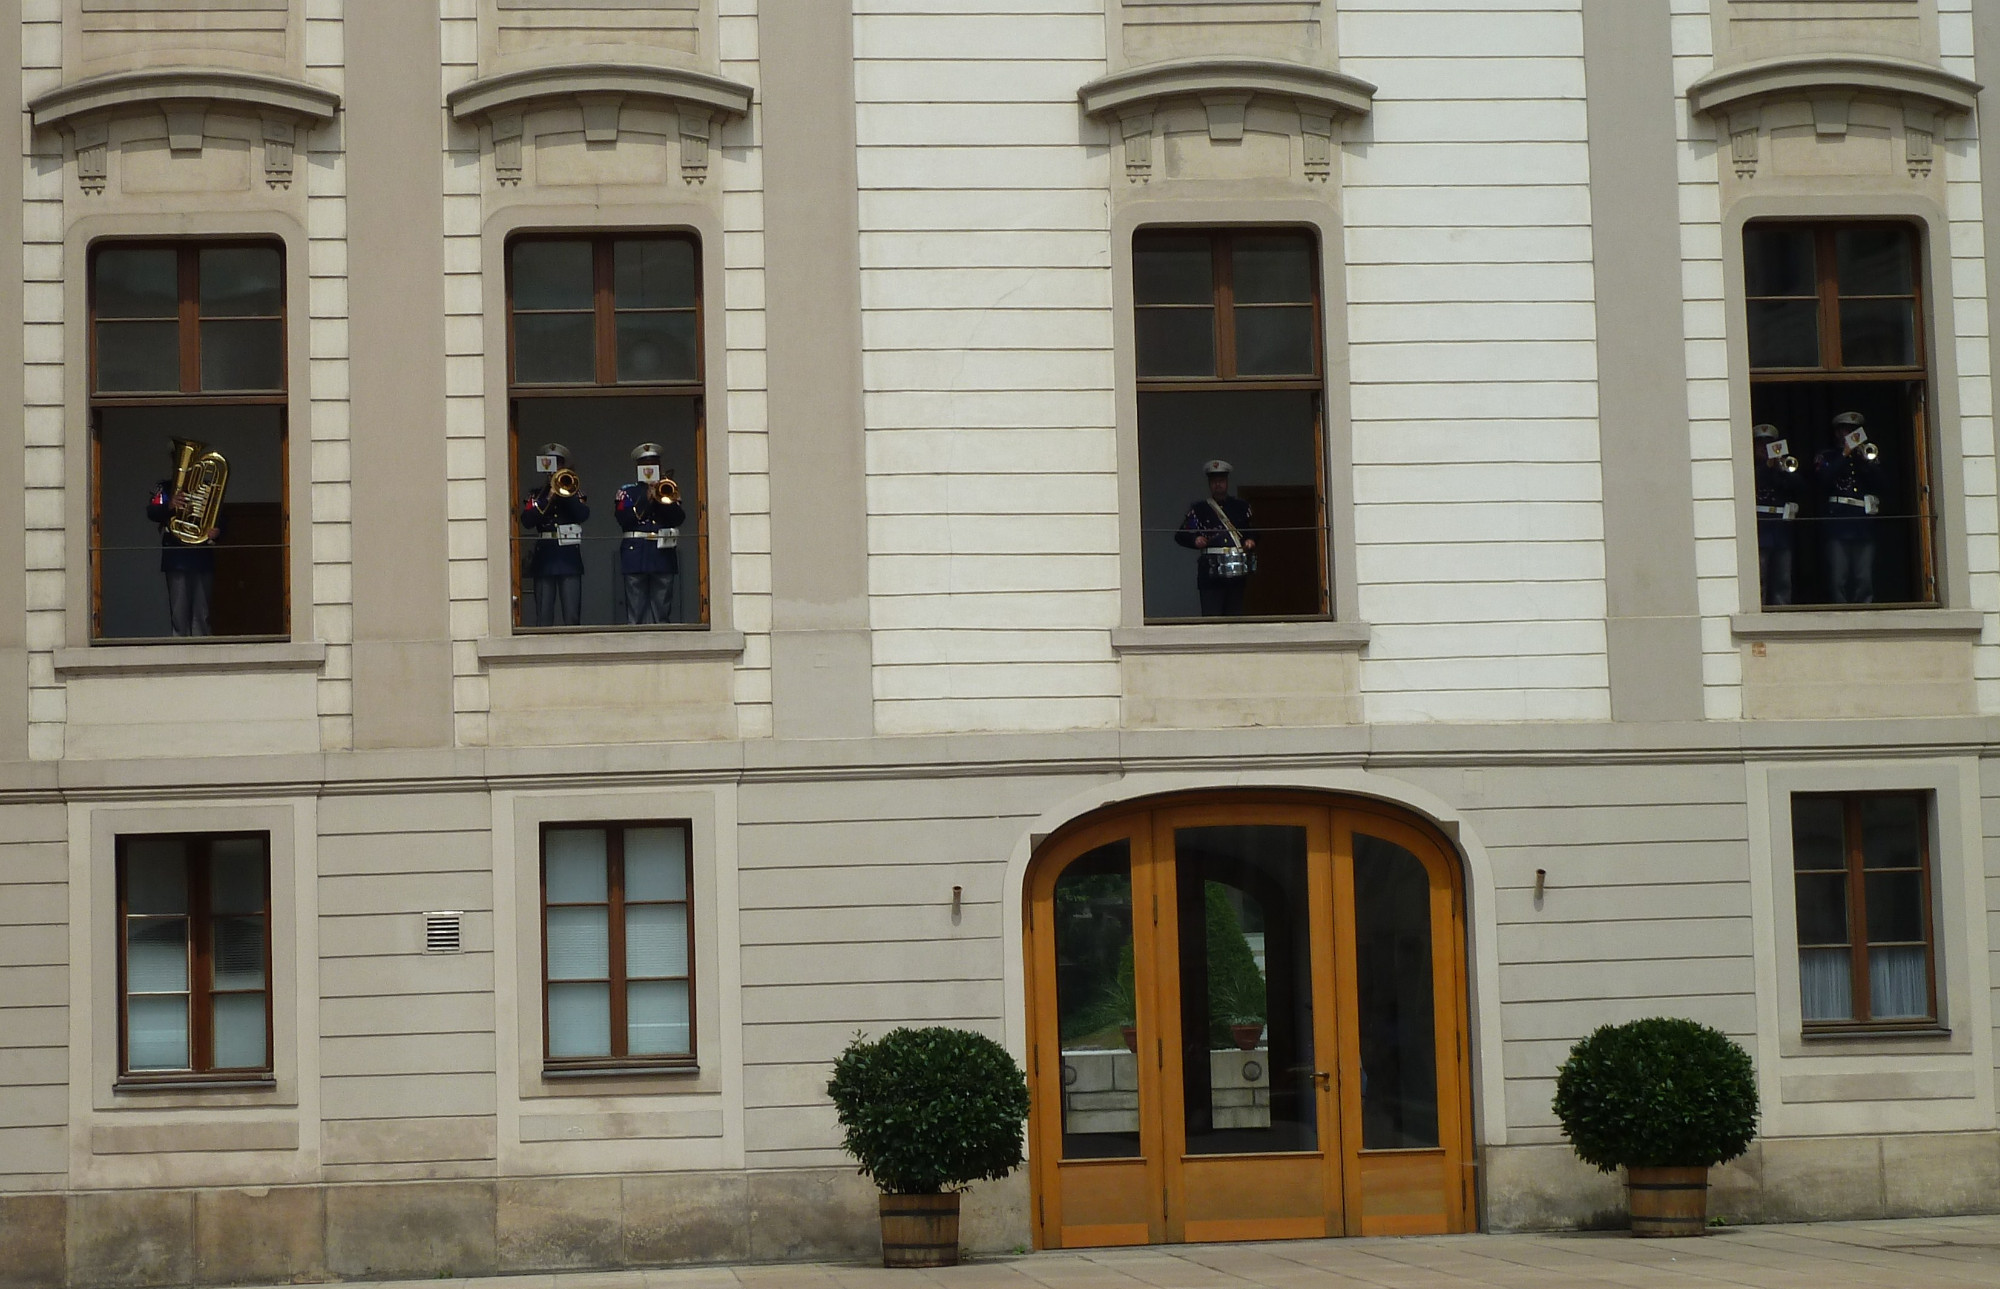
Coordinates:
<point>1657,1093</point>
<point>930,1110</point>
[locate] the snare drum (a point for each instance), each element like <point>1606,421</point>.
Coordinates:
<point>1227,562</point>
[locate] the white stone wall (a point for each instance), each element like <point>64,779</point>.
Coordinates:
<point>1478,528</point>
<point>328,527</point>
<point>42,414</point>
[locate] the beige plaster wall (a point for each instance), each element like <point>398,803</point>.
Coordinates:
<point>1857,679</point>
<point>1219,690</point>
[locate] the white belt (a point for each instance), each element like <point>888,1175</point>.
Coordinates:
<point>1849,501</point>
<point>1770,510</point>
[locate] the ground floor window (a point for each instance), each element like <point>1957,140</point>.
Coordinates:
<point>1862,876</point>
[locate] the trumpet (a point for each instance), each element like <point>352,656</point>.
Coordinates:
<point>1869,452</point>
<point>1788,463</point>
<point>663,492</point>
<point>564,483</point>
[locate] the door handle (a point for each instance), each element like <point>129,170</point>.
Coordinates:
<point>1323,1077</point>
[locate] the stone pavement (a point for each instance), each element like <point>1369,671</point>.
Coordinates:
<point>1905,1254</point>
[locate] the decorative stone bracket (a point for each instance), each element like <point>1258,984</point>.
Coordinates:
<point>1225,88</point>
<point>1735,98</point>
<point>600,90</point>
<point>83,110</point>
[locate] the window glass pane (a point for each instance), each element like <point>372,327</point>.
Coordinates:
<point>241,281</point>
<point>1784,333</point>
<point>1097,1005</point>
<point>653,274</point>
<point>1273,269</point>
<point>656,346</point>
<point>1398,1034</point>
<point>1172,269</point>
<point>555,348</point>
<point>243,355</point>
<point>1818,834</point>
<point>576,866</point>
<point>138,357</point>
<point>136,282</point>
<point>236,875</point>
<point>1898,984</point>
<point>156,1035</point>
<point>656,1018</point>
<point>239,953</point>
<point>1274,342</point>
<point>1895,907</point>
<point>1176,342</point>
<point>1878,333</point>
<point>656,940</point>
<point>156,955</point>
<point>1892,832</point>
<point>1826,984</point>
<point>1873,261</point>
<point>553,275</point>
<point>1778,260</point>
<point>655,864</point>
<point>1822,905</point>
<point>239,1032</point>
<point>155,875</point>
<point>580,1020</point>
<point>579,944</point>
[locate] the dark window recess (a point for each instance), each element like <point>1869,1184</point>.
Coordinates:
<point>1862,878</point>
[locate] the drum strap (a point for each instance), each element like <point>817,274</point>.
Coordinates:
<point>1235,538</point>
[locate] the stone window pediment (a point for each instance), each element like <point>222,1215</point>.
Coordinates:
<point>1224,87</point>
<point>83,111</point>
<point>700,100</point>
<point>1822,88</point>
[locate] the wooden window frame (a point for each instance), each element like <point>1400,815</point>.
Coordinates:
<point>201,990</point>
<point>605,384</point>
<point>187,320</point>
<point>1855,874</point>
<point>615,904</point>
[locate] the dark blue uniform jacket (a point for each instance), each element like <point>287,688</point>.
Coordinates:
<point>641,551</point>
<point>1775,490</point>
<point>1201,521</point>
<point>176,556</point>
<point>540,513</point>
<point>1843,480</point>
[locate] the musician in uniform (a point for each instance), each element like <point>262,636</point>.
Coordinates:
<point>648,555</point>
<point>1780,487</point>
<point>189,568</point>
<point>1852,479</point>
<point>1212,525</point>
<point>556,563</point>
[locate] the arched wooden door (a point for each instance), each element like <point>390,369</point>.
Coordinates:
<point>1247,1021</point>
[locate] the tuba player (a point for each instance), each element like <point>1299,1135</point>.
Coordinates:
<point>556,563</point>
<point>189,568</point>
<point>648,556</point>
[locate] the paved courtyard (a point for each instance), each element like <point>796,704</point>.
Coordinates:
<point>1907,1254</point>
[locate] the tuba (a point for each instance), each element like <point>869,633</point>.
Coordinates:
<point>200,475</point>
<point>665,492</point>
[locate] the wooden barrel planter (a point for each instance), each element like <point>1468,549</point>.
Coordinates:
<point>1668,1201</point>
<point>920,1230</point>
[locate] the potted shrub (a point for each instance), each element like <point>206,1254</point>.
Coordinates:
<point>1667,1100</point>
<point>927,1112</point>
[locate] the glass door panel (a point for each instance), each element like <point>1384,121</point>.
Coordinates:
<point>1097,1005</point>
<point>1392,977</point>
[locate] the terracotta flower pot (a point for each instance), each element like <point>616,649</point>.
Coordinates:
<point>1246,1035</point>
<point>1668,1201</point>
<point>920,1230</point>
<point>1130,1033</point>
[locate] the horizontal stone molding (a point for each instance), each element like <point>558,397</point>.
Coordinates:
<point>1857,624</point>
<point>512,91</point>
<point>610,646</point>
<point>1141,88</point>
<point>1246,637</point>
<point>159,659</point>
<point>161,89</point>
<point>1811,75</point>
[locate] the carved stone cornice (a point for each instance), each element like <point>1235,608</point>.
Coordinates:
<point>1807,76</point>
<point>1333,93</point>
<point>600,90</point>
<point>169,88</point>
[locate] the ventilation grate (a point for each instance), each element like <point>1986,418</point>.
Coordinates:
<point>441,933</point>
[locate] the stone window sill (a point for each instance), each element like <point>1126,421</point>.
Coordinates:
<point>155,659</point>
<point>611,646</point>
<point>682,1069</point>
<point>1241,637</point>
<point>265,1084</point>
<point>1857,624</point>
<point>1873,1034</point>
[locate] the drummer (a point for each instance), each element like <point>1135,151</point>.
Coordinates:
<point>1218,526</point>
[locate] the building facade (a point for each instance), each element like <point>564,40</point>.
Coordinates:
<point>560,558</point>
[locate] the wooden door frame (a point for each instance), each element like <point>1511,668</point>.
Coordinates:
<point>1140,821</point>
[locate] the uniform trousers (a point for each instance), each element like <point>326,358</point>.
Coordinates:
<point>1222,598</point>
<point>1850,569</point>
<point>188,592</point>
<point>1774,564</point>
<point>559,600</point>
<point>649,597</point>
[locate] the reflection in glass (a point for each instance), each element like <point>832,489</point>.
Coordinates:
<point>655,864</point>
<point>655,273</point>
<point>1784,333</point>
<point>1874,261</point>
<point>138,357</point>
<point>239,1032</point>
<point>656,346</point>
<point>155,875</point>
<point>242,354</point>
<point>1891,831</point>
<point>1878,333</point>
<point>1170,268</point>
<point>656,1018</point>
<point>1097,1004</point>
<point>1176,342</point>
<point>136,282</point>
<point>1247,1052</point>
<point>241,282</point>
<point>156,1033</point>
<point>1817,835</point>
<point>552,275</point>
<point>1273,269</point>
<point>554,348</point>
<point>1778,259</point>
<point>579,1020</point>
<point>156,955</point>
<point>1392,921</point>
<point>1275,342</point>
<point>575,866</point>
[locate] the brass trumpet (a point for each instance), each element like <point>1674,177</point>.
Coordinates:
<point>200,476</point>
<point>1788,463</point>
<point>564,483</point>
<point>663,492</point>
<point>1869,452</point>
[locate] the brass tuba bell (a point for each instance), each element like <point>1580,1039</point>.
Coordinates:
<point>200,476</point>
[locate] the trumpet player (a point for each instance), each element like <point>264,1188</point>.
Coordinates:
<point>1853,479</point>
<point>650,512</point>
<point>556,512</point>
<point>189,568</point>
<point>1780,484</point>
